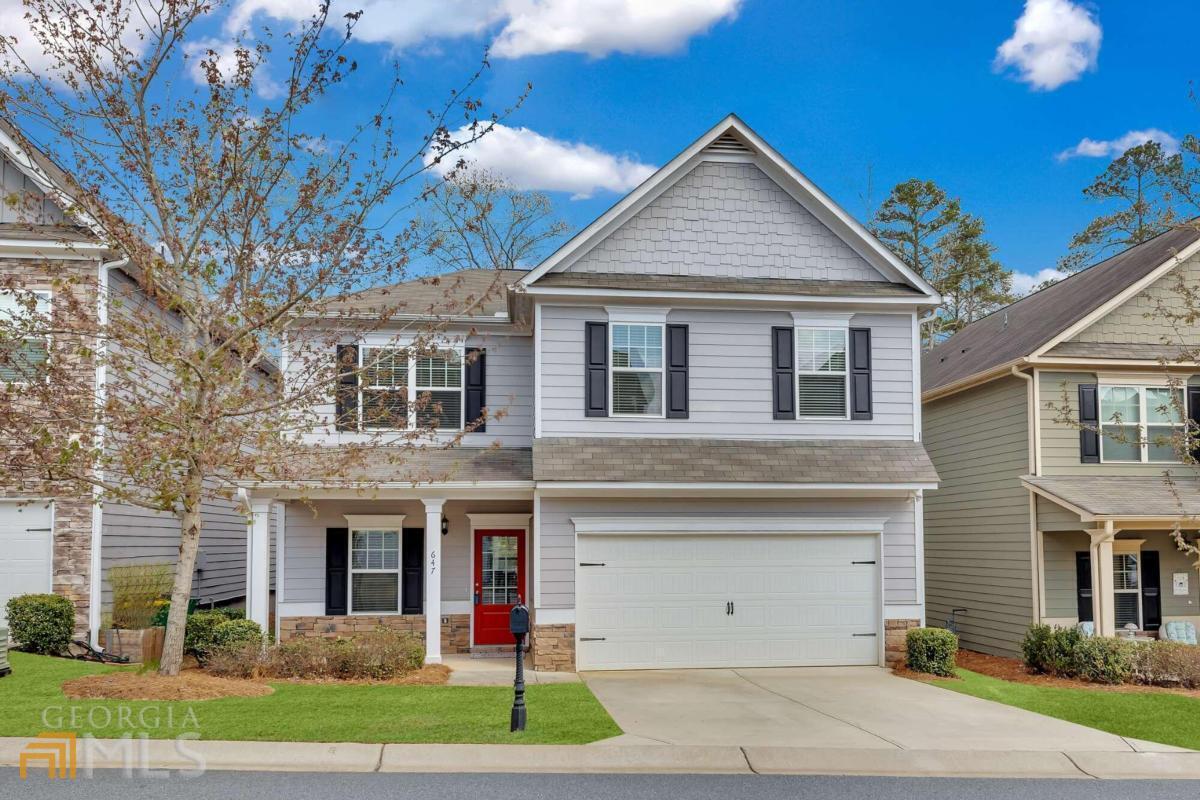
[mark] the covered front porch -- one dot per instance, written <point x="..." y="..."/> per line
<point x="1107" y="556"/>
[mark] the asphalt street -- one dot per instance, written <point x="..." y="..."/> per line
<point x="313" y="786"/>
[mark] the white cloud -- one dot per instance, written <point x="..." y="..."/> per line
<point x="27" y="48"/>
<point x="1111" y="148"/>
<point x="225" y="52"/>
<point x="1023" y="282"/>
<point x="600" y="27"/>
<point x="1053" y="42"/>
<point x="531" y="161"/>
<point x="529" y="27"/>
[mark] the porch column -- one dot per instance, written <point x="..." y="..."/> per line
<point x="258" y="563"/>
<point x="433" y="580"/>
<point x="1103" y="608"/>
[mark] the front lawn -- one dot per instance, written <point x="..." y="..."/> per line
<point x="31" y="702"/>
<point x="1160" y="717"/>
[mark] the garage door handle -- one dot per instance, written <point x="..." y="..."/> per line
<point x="592" y="639"/>
<point x="592" y="564"/>
<point x="862" y="634"/>
<point x="862" y="562"/>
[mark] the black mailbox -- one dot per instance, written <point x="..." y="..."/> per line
<point x="518" y="620"/>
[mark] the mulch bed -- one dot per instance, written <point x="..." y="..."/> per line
<point x="1013" y="669"/>
<point x="191" y="684"/>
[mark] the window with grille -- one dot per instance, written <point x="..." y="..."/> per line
<point x="637" y="370"/>
<point x="374" y="571"/>
<point x="21" y="355"/>
<point x="398" y="391"/>
<point x="1141" y="423"/>
<point x="821" y="373"/>
<point x="1127" y="598"/>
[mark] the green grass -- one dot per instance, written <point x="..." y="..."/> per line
<point x="1154" y="716"/>
<point x="32" y="701"/>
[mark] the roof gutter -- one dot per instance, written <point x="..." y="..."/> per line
<point x="973" y="380"/>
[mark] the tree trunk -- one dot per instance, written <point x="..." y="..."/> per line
<point x="181" y="592"/>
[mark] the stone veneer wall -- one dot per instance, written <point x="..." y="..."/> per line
<point x="894" y="633"/>
<point x="456" y="631"/>
<point x="554" y="648"/>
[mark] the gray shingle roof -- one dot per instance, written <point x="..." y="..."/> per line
<point x="467" y="293"/>
<point x="1017" y="330"/>
<point x="1125" y="496"/>
<point x="397" y="465"/>
<point x="689" y="283"/>
<point x="726" y="460"/>
<point x="1120" y="350"/>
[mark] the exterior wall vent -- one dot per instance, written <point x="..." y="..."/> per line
<point x="729" y="143"/>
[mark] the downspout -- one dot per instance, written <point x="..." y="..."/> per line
<point x="95" y="577"/>
<point x="1033" y="443"/>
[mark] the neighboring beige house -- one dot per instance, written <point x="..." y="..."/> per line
<point x="1037" y="520"/>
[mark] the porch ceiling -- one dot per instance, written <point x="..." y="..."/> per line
<point x="1123" y="498"/>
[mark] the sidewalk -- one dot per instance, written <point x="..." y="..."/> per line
<point x="493" y="671"/>
<point x="621" y="758"/>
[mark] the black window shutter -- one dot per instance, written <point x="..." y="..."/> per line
<point x="860" y="373"/>
<point x="677" y="371"/>
<point x="346" y="396"/>
<point x="1151" y="594"/>
<point x="595" y="366"/>
<point x="412" y="559"/>
<point x="1193" y="409"/>
<point x="783" y="372"/>
<point x="337" y="555"/>
<point x="1089" y="418"/>
<point x="476" y="386"/>
<point x="1083" y="584"/>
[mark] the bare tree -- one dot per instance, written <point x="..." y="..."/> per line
<point x="240" y="219"/>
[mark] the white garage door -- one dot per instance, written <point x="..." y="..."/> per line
<point x="26" y="551"/>
<point x="749" y="600"/>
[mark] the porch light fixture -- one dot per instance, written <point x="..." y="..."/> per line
<point x="445" y="526"/>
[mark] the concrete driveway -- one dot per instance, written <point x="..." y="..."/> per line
<point x="855" y="707"/>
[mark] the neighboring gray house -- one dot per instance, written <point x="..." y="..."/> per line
<point x="710" y="454"/>
<point x="51" y="540"/>
<point x="1035" y="519"/>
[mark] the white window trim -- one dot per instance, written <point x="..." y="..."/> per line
<point x="661" y="369"/>
<point x="413" y="392"/>
<point x="49" y="295"/>
<point x="845" y="373"/>
<point x="1131" y="547"/>
<point x="363" y="522"/>
<point x="1143" y="427"/>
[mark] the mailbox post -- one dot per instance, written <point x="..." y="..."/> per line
<point x="518" y="625"/>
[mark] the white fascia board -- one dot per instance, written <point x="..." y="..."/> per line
<point x="728" y="489"/>
<point x="55" y="249"/>
<point x="1098" y="364"/>
<point x="1128" y="293"/>
<point x="730" y="298"/>
<point x="719" y="525"/>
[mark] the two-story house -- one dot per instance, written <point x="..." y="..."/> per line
<point x="1053" y="424"/>
<point x="53" y="538"/>
<point x="709" y="455"/>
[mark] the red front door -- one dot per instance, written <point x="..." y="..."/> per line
<point x="499" y="583"/>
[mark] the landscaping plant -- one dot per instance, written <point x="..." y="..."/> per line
<point x="137" y="592"/>
<point x="41" y="623"/>
<point x="931" y="650"/>
<point x="380" y="655"/>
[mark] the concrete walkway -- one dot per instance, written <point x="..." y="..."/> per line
<point x="491" y="671"/>
<point x="853" y="708"/>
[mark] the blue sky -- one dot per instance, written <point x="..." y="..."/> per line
<point x="844" y="89"/>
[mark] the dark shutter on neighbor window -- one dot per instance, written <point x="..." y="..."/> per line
<point x="1089" y="419"/>
<point x="346" y="395"/>
<point x="1193" y="409"/>
<point x="412" y="559"/>
<point x="337" y="554"/>
<point x="860" y="373"/>
<point x="1083" y="584"/>
<point x="476" y="387"/>
<point x="677" y="371"/>
<point x="783" y="372"/>
<point x="1151" y="593"/>
<point x="595" y="369"/>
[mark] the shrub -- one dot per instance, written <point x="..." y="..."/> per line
<point x="1101" y="659"/>
<point x="236" y="660"/>
<point x="1051" y="650"/>
<point x="200" y="636"/>
<point x="41" y="623"/>
<point x="237" y="632"/>
<point x="1167" y="664"/>
<point x="138" y="592"/>
<point x="163" y="609"/>
<point x="931" y="650"/>
<point x="378" y="656"/>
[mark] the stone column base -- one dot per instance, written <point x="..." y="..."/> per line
<point x="894" y="633"/>
<point x="456" y="630"/>
<point x="553" y="648"/>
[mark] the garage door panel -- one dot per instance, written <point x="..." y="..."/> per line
<point x="798" y="600"/>
<point x="26" y="551"/>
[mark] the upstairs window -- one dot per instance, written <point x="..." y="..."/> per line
<point x="637" y="370"/>
<point x="1140" y="424"/>
<point x="398" y="391"/>
<point x="821" y="373"/>
<point x="21" y="358"/>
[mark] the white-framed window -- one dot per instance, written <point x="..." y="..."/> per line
<point x="399" y="391"/>
<point x="18" y="363"/>
<point x="375" y="570"/>
<point x="1127" y="589"/>
<point x="636" y="359"/>
<point x="1140" y="423"/>
<point x="822" y="373"/>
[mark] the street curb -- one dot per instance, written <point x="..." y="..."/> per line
<point x="562" y="758"/>
<point x="1124" y="766"/>
<point x="913" y="763"/>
